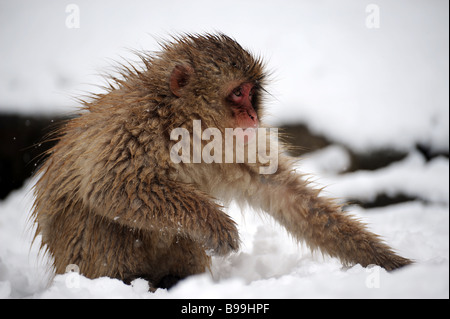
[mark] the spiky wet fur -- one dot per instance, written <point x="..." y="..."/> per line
<point x="110" y="200"/>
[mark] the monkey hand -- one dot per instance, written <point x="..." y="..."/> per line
<point x="222" y="237"/>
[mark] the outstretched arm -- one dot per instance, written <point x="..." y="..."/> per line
<point x="319" y="221"/>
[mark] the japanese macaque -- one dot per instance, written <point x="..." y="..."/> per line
<point x="117" y="197"/>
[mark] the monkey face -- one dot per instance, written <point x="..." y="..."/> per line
<point x="241" y="104"/>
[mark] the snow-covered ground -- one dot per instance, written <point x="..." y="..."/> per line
<point x="270" y="264"/>
<point x="367" y="88"/>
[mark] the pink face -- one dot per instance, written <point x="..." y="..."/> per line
<point x="241" y="105"/>
<point x="240" y="99"/>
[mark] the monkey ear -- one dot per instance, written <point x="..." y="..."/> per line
<point x="179" y="78"/>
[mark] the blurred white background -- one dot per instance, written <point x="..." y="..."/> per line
<point x="385" y="86"/>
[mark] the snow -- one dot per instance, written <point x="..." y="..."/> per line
<point x="388" y="84"/>
<point x="399" y="178"/>
<point x="364" y="88"/>
<point x="270" y="264"/>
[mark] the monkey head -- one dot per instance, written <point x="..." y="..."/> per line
<point x="216" y="80"/>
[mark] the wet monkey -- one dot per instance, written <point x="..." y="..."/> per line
<point x="111" y="200"/>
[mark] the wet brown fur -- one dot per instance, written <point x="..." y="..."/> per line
<point x="110" y="200"/>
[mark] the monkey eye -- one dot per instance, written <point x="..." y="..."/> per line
<point x="242" y="92"/>
<point x="237" y="92"/>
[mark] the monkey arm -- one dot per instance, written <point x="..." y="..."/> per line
<point x="173" y="207"/>
<point x="320" y="222"/>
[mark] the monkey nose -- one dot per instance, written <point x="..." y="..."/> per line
<point x="254" y="119"/>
